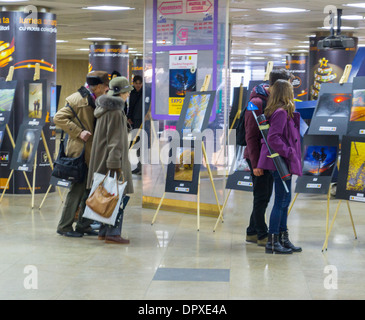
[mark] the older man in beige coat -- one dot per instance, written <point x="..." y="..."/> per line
<point x="82" y="103"/>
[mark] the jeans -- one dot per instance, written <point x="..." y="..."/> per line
<point x="262" y="191"/>
<point x="279" y="213"/>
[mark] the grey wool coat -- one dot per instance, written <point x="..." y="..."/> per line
<point x="110" y="146"/>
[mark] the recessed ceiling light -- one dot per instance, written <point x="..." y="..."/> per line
<point x="352" y="17"/>
<point x="342" y="28"/>
<point x="264" y="44"/>
<point x="83" y="49"/>
<point x="283" y="10"/>
<point x="61" y="41"/>
<point x="357" y="5"/>
<point x="108" y="8"/>
<point x="98" y="39"/>
<point x="257" y="58"/>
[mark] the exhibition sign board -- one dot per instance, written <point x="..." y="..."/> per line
<point x="240" y="177"/>
<point x="351" y="178"/>
<point x="184" y="51"/>
<point x="319" y="161"/>
<point x="333" y="109"/>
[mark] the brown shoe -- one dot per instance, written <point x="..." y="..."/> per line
<point x="116" y="240"/>
<point x="101" y="237"/>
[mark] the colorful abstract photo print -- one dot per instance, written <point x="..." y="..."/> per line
<point x="351" y="179"/>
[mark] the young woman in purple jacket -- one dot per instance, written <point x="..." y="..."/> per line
<point x="284" y="139"/>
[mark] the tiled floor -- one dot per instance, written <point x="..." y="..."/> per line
<point x="171" y="260"/>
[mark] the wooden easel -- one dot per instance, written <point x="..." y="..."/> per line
<point x="269" y="68"/>
<point x="343" y="80"/>
<point x="204" y="88"/>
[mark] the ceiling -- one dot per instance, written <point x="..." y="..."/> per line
<point x="287" y="32"/>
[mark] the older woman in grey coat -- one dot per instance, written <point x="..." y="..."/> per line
<point x="110" y="148"/>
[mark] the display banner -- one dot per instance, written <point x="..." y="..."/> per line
<point x="28" y="38"/>
<point x="137" y="68"/>
<point x="319" y="161"/>
<point x="333" y="109"/>
<point x="109" y="58"/>
<point x="297" y="65"/>
<point x="356" y="126"/>
<point x="351" y="178"/>
<point x="327" y="66"/>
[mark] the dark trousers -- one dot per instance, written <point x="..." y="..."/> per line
<point x="262" y="191"/>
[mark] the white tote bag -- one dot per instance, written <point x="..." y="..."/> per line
<point x="111" y="187"/>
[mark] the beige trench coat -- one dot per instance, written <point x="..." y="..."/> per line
<point x="110" y="147"/>
<point x="65" y="119"/>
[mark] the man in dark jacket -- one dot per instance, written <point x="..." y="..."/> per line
<point x="135" y="111"/>
<point x="257" y="230"/>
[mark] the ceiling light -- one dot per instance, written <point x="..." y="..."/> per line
<point x="264" y="44"/>
<point x="98" y="39"/>
<point x="83" y="49"/>
<point x="257" y="58"/>
<point x="61" y="41"/>
<point x="108" y="8"/>
<point x="342" y="28"/>
<point x="352" y="17"/>
<point x="357" y="5"/>
<point x="283" y="10"/>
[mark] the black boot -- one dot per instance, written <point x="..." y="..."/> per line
<point x="285" y="242"/>
<point x="273" y="245"/>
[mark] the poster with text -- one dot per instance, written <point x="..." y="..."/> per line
<point x="182" y="78"/>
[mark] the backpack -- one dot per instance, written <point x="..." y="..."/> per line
<point x="241" y="130"/>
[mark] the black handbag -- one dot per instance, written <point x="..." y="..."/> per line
<point x="70" y="169"/>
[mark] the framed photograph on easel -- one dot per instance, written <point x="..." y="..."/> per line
<point x="333" y="109"/>
<point x="183" y="171"/>
<point x="319" y="161"/>
<point x="356" y="125"/>
<point x="351" y="178"/>
<point x="195" y="113"/>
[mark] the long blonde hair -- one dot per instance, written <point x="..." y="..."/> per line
<point x="281" y="96"/>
